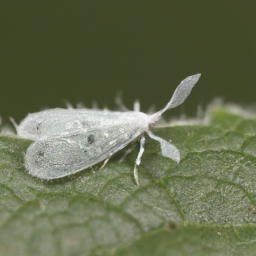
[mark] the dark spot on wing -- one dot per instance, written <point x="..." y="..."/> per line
<point x="85" y="124"/>
<point x="41" y="153"/>
<point x="38" y="125"/>
<point x="90" y="139"/>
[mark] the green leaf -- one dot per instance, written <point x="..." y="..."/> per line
<point x="205" y="205"/>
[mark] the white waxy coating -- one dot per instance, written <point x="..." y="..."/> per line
<point x="56" y="122"/>
<point x="71" y="148"/>
<point x="70" y="140"/>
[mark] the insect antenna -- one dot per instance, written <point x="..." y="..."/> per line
<point x="168" y="149"/>
<point x="178" y="97"/>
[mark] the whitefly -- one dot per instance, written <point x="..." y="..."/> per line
<point x="70" y="140"/>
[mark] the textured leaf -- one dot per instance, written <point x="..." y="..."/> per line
<point x="205" y="205"/>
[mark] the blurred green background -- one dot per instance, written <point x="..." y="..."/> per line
<point x="51" y="51"/>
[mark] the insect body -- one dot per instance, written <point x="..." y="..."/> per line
<point x="70" y="140"/>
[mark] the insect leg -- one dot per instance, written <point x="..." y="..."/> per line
<point x="105" y="162"/>
<point x="127" y="152"/>
<point x="138" y="160"/>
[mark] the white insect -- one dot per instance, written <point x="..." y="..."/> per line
<point x="70" y="140"/>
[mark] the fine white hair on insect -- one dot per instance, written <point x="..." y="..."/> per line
<point x="68" y="104"/>
<point x="70" y="140"/>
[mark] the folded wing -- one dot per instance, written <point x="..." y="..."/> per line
<point x="59" y="156"/>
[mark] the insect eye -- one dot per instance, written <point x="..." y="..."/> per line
<point x="90" y="139"/>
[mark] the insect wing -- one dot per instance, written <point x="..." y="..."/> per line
<point x="59" y="156"/>
<point x="53" y="122"/>
<point x="56" y="122"/>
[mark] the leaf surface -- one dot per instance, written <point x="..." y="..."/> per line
<point x="205" y="205"/>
